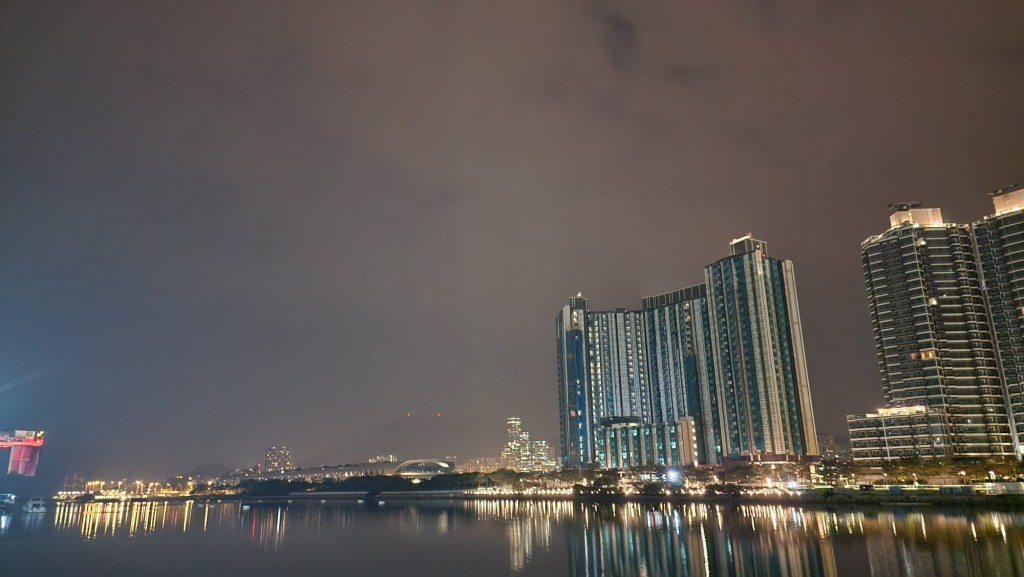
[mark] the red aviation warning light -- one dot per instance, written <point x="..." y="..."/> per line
<point x="25" y="447"/>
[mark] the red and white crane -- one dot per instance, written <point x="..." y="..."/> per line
<point x="25" y="447"/>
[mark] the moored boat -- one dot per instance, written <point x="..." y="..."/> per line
<point x="33" y="506"/>
<point x="6" y="503"/>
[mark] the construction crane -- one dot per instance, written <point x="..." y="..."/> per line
<point x="25" y="447"/>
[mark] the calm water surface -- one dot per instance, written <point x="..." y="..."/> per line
<point x="434" y="539"/>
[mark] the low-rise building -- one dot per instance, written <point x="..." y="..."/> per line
<point x="625" y="443"/>
<point x="897" y="433"/>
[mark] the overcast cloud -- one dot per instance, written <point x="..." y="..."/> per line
<point x="226" y="225"/>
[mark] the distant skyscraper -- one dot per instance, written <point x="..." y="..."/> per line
<point x="935" y="347"/>
<point x="278" y="459"/>
<point x="729" y="361"/>
<point x="763" y="389"/>
<point x="74" y="484"/>
<point x="1000" y="246"/>
<point x="544" y="456"/>
<point x="522" y="454"/>
<point x="517" y="454"/>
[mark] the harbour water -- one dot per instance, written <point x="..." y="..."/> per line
<point x="516" y="538"/>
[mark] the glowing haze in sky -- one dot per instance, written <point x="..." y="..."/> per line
<point x="256" y="223"/>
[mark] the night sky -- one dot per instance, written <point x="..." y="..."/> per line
<point x="226" y="225"/>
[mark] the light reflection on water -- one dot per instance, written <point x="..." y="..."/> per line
<point x="586" y="540"/>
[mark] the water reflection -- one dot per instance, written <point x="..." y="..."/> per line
<point x="699" y="540"/>
<point x="790" y="542"/>
<point x="94" y="520"/>
<point x="528" y="525"/>
<point x="589" y="540"/>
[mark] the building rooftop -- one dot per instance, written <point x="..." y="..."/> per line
<point x="913" y="213"/>
<point x="1008" y="199"/>
<point x="747" y="243"/>
<point x="674" y="297"/>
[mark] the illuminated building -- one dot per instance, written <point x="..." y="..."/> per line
<point x="999" y="241"/>
<point x="682" y="365"/>
<point x="517" y="454"/>
<point x="617" y="364"/>
<point x="25" y="447"/>
<point x="278" y="459"/>
<point x="762" y="387"/>
<point x="576" y="415"/>
<point x="484" y="465"/>
<point x="544" y="457"/>
<point x="626" y="443"/>
<point x="933" y="340"/>
<point x="74" y="484"/>
<point x="727" y="354"/>
<point x="895" y="434"/>
<point x="522" y="454"/>
<point x="834" y="447"/>
<point x="411" y="468"/>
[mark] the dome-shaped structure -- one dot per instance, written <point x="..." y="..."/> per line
<point x="424" y="468"/>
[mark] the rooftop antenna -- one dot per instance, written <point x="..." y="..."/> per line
<point x="1005" y="189"/>
<point x="902" y="206"/>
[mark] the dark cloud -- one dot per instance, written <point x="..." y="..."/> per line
<point x="689" y="75"/>
<point x="248" y="223"/>
<point x="618" y="32"/>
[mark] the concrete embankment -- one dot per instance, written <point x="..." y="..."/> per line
<point x="808" y="498"/>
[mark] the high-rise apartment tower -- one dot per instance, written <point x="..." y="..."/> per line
<point x="935" y="347"/>
<point x="723" y="360"/>
<point x="999" y="243"/>
<point x="763" y="389"/>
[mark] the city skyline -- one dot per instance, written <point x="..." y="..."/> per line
<point x="332" y="216"/>
<point x="651" y="302"/>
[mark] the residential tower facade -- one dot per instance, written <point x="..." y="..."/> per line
<point x="763" y="389"/>
<point x="941" y="300"/>
<point x="999" y="243"/>
<point x="722" y="363"/>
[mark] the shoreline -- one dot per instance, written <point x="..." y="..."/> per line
<point x="817" y="500"/>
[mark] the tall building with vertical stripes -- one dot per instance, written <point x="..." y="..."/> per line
<point x="681" y="365"/>
<point x="616" y="364"/>
<point x="999" y="244"/>
<point x="762" y="386"/>
<point x="722" y="361"/>
<point x="575" y="410"/>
